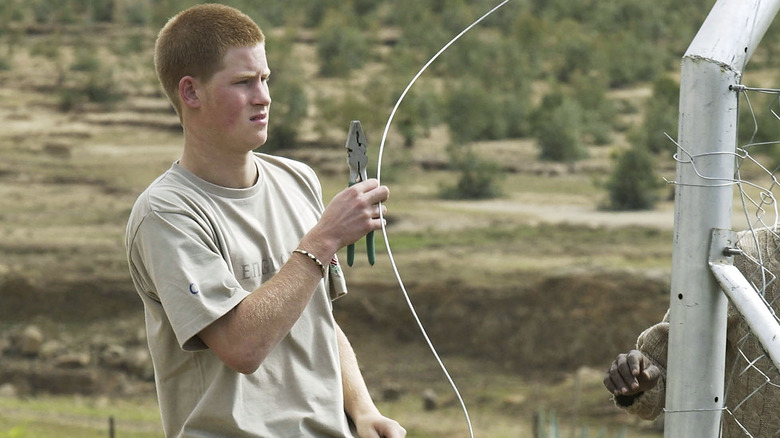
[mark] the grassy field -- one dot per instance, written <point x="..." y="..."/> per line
<point x="499" y="406"/>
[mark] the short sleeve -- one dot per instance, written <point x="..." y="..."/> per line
<point x="189" y="277"/>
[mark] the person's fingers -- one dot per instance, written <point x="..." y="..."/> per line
<point x="379" y="210"/>
<point x="625" y="368"/>
<point x="609" y="382"/>
<point x="367" y="185"/>
<point x="631" y="373"/>
<point x="618" y="379"/>
<point x="651" y="373"/>
<point x="375" y="192"/>
<point x="636" y="362"/>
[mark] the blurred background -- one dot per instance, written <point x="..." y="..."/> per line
<point x="529" y="214"/>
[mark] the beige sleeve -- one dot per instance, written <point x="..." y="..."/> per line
<point x="653" y="343"/>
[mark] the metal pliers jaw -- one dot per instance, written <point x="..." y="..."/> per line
<point x="357" y="159"/>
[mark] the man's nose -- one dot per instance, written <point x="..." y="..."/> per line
<point x="262" y="95"/>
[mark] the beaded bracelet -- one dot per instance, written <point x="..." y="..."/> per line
<point x="313" y="258"/>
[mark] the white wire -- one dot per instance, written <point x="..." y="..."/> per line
<point x="384" y="228"/>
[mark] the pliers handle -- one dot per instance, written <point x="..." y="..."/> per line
<point x="357" y="159"/>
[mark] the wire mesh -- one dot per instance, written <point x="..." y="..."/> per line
<point x="752" y="385"/>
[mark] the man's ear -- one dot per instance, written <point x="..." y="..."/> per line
<point x="188" y="92"/>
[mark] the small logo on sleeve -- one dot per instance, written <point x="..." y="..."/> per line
<point x="194" y="289"/>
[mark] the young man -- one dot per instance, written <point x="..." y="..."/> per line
<point x="229" y="252"/>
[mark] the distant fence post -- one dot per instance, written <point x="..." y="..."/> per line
<point x="703" y="201"/>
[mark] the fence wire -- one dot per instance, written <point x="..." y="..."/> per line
<point x="752" y="386"/>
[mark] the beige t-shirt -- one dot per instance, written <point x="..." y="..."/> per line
<point x="195" y="251"/>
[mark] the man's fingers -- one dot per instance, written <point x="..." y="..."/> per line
<point x="372" y="188"/>
<point x="377" y="209"/>
<point x="367" y="185"/>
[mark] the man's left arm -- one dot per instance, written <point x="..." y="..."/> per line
<point x="370" y="423"/>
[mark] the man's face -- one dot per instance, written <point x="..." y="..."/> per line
<point x="236" y="101"/>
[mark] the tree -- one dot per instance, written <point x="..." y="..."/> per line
<point x="662" y="116"/>
<point x="341" y="47"/>
<point x="633" y="184"/>
<point x="416" y="115"/>
<point x="630" y="58"/>
<point x="472" y="114"/>
<point x="290" y="103"/>
<point x="556" y="124"/>
<point x="590" y="91"/>
<point x="478" y="178"/>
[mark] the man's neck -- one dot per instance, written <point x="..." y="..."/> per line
<point x="232" y="171"/>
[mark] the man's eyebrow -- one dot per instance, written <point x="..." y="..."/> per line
<point x="245" y="75"/>
<point x="252" y="74"/>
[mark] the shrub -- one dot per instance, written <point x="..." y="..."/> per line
<point x="416" y="115"/>
<point x="470" y="112"/>
<point x="474" y="113"/>
<point x="102" y="10"/>
<point x="86" y="60"/>
<point x="100" y="87"/>
<point x="290" y="103"/>
<point x="137" y="14"/>
<point x="591" y="92"/>
<point x="289" y="109"/>
<point x="630" y="59"/>
<point x="556" y="124"/>
<point x="88" y="81"/>
<point x="662" y="116"/>
<point x="575" y="54"/>
<point x="477" y="180"/>
<point x="341" y="48"/>
<point x="633" y="184"/>
<point x="421" y="32"/>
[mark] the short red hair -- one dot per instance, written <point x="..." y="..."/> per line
<point x="194" y="42"/>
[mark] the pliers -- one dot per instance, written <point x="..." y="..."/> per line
<point x="357" y="161"/>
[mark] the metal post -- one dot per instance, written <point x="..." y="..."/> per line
<point x="707" y="141"/>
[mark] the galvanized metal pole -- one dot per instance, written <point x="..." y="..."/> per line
<point x="707" y="141"/>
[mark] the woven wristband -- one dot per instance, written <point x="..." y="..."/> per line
<point x="313" y="258"/>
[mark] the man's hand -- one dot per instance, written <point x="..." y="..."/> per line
<point x="631" y="374"/>
<point x="378" y="426"/>
<point x="351" y="214"/>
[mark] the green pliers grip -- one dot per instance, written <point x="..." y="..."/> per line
<point x="369" y="248"/>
